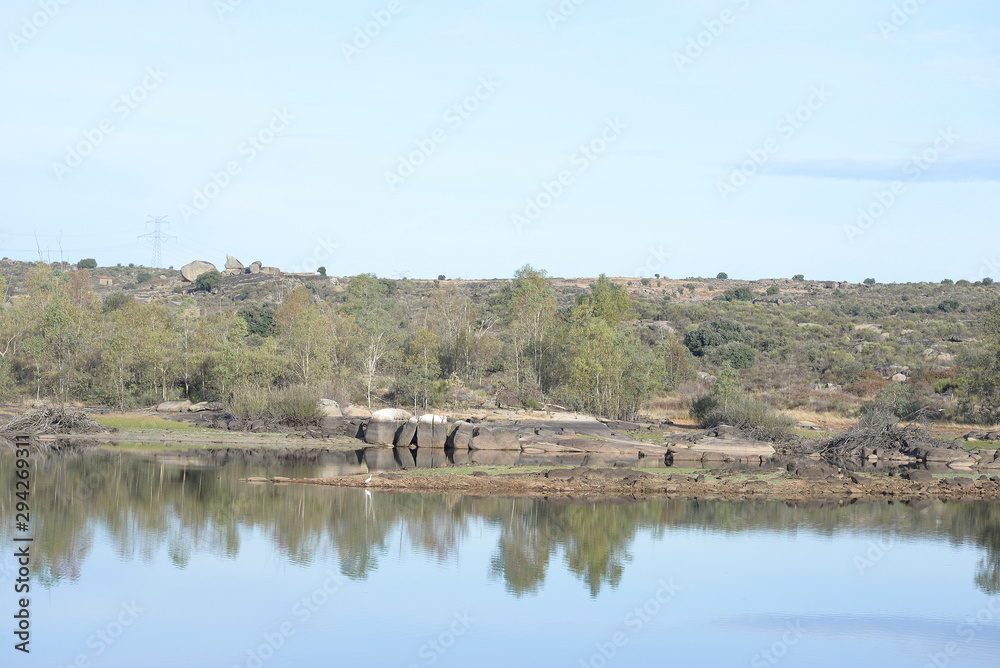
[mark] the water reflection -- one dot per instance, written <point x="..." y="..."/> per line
<point x="150" y="506"/>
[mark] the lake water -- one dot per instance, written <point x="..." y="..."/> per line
<point x="143" y="563"/>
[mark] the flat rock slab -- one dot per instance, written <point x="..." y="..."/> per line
<point x="732" y="447"/>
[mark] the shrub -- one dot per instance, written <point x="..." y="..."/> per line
<point x="441" y="277"/>
<point x="963" y="283"/>
<point x="947" y="281"/>
<point x="208" y="281"/>
<point x="87" y="263"/>
<point x="897" y="399"/>
<point x="745" y="412"/>
<point x="987" y="281"/>
<point x="869" y="281"/>
<point x="723" y="275"/>
<point x="798" y="277"/>
<point x="296" y="403"/>
<point x="949" y="305"/>
<point x="945" y="385"/>
<point x="116" y="300"/>
<point x="259" y="318"/>
<point x="741" y="294"/>
<point x="737" y="353"/>
<point x="143" y="277"/>
<point x="716" y="333"/>
<point x="774" y="290"/>
<point x="321" y="271"/>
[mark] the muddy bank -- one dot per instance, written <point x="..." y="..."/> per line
<point x="628" y="484"/>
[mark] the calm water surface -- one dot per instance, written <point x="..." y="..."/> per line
<point x="143" y="563"/>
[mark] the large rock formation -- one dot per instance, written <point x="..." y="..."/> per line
<point x="384" y="424"/>
<point x="192" y="270"/>
<point x="487" y="439"/>
<point x="432" y="431"/>
<point x="407" y="434"/>
<point x="330" y="408"/>
<point x="233" y="263"/>
<point x="174" y="407"/>
<point x="461" y="435"/>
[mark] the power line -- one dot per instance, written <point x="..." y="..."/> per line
<point x="157" y="237"/>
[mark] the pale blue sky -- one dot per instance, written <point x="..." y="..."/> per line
<point x="675" y="131"/>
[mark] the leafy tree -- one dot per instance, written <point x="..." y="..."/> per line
<point x="741" y="294"/>
<point x="321" y="271"/>
<point x="304" y="334"/>
<point x="798" y="277"/>
<point x="117" y="300"/>
<point x="532" y="310"/>
<point x="607" y="301"/>
<point x="208" y="281"/>
<point x="259" y="317"/>
<point x="143" y="277"/>
<point x="869" y="281"/>
<point x="947" y="281"/>
<point x="723" y="275"/>
<point x="716" y="333"/>
<point x="87" y="263"/>
<point x="949" y="305"/>
<point x="378" y="327"/>
<point x="773" y="290"/>
<point x="611" y="374"/>
<point x="735" y="353"/>
<point x="678" y="362"/>
<point x="422" y="367"/>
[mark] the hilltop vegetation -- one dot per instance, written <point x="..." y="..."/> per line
<point x="614" y="347"/>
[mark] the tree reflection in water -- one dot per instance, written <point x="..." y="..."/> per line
<point x="147" y="506"/>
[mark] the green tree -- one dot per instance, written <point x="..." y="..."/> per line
<point x="607" y="301"/>
<point x="87" y="263"/>
<point x="722" y="275"/>
<point x="378" y="327"/>
<point x="259" y="317"/>
<point x="741" y="294"/>
<point x="612" y="374"/>
<point x="716" y="332"/>
<point x="304" y="334"/>
<point x="532" y="308"/>
<point x="208" y="281"/>
<point x="422" y="367"/>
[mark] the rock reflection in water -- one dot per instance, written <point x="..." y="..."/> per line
<point x="148" y="506"/>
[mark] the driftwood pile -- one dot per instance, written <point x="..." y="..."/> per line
<point x="55" y="421"/>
